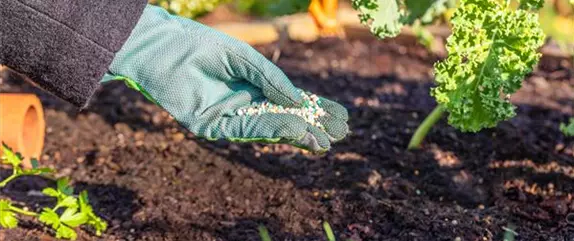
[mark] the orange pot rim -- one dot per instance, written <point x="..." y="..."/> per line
<point x="22" y="124"/>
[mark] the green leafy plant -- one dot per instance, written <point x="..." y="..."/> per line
<point x="8" y="214"/>
<point x="69" y="212"/>
<point x="264" y="233"/>
<point x="492" y="47"/>
<point x="76" y="212"/>
<point x="63" y="224"/>
<point x="382" y="16"/>
<point x="97" y="223"/>
<point x="63" y="190"/>
<point x="188" y="8"/>
<point x="328" y="231"/>
<point x="262" y="8"/>
<point x="509" y="232"/>
<point x="386" y="18"/>
<point x="15" y="160"/>
<point x="568" y="129"/>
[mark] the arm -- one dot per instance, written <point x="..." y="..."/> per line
<point x="199" y="75"/>
<point x="65" y="46"/>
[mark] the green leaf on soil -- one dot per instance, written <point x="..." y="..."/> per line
<point x="50" y="218"/>
<point x="10" y="157"/>
<point x="63" y="186"/>
<point x="73" y="218"/>
<point x="7" y="216"/>
<point x="50" y="192"/>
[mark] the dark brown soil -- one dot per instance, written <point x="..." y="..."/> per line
<point x="153" y="181"/>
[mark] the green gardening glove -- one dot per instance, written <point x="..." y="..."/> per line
<point x="203" y="77"/>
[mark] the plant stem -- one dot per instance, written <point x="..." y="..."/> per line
<point x="22" y="211"/>
<point x="10" y="178"/>
<point x="425" y="127"/>
<point x="58" y="205"/>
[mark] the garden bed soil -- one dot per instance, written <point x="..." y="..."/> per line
<point x="154" y="181"/>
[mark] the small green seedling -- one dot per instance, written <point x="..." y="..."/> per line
<point x="15" y="160"/>
<point x="568" y="129"/>
<point x="264" y="233"/>
<point x="98" y="224"/>
<point x="329" y="231"/>
<point x="8" y="214"/>
<point x="509" y="233"/>
<point x="69" y="213"/>
<point x="77" y="212"/>
<point x="63" y="191"/>
<point x="63" y="224"/>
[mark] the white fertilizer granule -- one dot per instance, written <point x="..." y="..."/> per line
<point x="310" y="111"/>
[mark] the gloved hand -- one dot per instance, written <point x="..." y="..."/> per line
<point x="202" y="77"/>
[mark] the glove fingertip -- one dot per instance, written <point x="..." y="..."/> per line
<point x="336" y="129"/>
<point x="315" y="140"/>
<point x="334" y="109"/>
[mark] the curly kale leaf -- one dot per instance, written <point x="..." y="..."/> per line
<point x="426" y="10"/>
<point x="531" y="4"/>
<point x="384" y="17"/>
<point x="491" y="49"/>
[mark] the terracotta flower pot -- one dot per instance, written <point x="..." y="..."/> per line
<point x="22" y="125"/>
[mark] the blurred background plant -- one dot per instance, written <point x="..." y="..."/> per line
<point x="556" y="18"/>
<point x="189" y="8"/>
<point x="271" y="8"/>
<point x="260" y="8"/>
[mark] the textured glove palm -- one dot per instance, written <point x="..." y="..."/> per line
<point x="201" y="77"/>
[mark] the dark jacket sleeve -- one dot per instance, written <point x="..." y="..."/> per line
<point x="65" y="46"/>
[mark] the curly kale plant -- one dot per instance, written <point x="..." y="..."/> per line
<point x="491" y="49"/>
<point x="382" y="16"/>
<point x="385" y="18"/>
